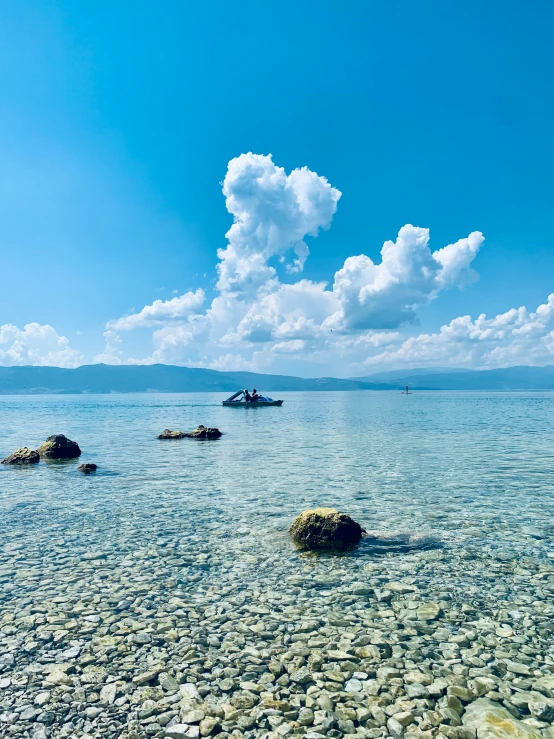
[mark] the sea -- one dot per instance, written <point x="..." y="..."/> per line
<point x="455" y="490"/>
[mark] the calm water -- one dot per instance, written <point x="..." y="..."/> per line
<point x="466" y="469"/>
<point x="172" y="564"/>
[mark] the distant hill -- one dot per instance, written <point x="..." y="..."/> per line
<point x="161" y="378"/>
<point x="509" y="378"/>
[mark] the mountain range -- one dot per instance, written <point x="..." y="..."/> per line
<point x="507" y="378"/>
<point x="161" y="378"/>
<point x="103" y="378"/>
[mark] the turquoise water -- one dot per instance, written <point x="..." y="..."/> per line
<point x="466" y="469"/>
<point x="172" y="565"/>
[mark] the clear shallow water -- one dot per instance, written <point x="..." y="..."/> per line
<point x="184" y="545"/>
<point x="465" y="469"/>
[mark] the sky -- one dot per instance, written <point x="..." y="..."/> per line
<point x="309" y="188"/>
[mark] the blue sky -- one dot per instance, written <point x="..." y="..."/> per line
<point x="119" y="120"/>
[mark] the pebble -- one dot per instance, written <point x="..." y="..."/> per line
<point x="161" y="627"/>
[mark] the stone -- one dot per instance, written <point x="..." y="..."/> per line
<point x="207" y="725"/>
<point x="243" y="699"/>
<point x="492" y="721"/>
<point x="301" y="676"/>
<point x="192" y="717"/>
<point x="59" y="446"/>
<point x="428" y="611"/>
<point x="58" y="677"/>
<point x="168" y="434"/>
<point x="201" y="432"/>
<point x="182" y="731"/>
<point x="108" y="693"/>
<point x="22" y="456"/>
<point x="325" y="528"/>
<point x="87" y="467"/>
<point x="545" y="685"/>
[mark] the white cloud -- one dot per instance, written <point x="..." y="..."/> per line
<point x="514" y="337"/>
<point x="112" y="353"/>
<point x="160" y="311"/>
<point x="386" y="295"/>
<point x="255" y="317"/>
<point x="272" y="213"/>
<point x="36" y="344"/>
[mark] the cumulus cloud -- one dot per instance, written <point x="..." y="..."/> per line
<point x="516" y="336"/>
<point x="386" y="295"/>
<point x="160" y="311"/>
<point x="258" y="315"/>
<point x="272" y="213"/>
<point x="36" y="344"/>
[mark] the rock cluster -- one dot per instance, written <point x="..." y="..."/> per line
<point x="22" y="456"/>
<point x="59" y="446"/>
<point x="325" y="528"/>
<point x="201" y="432"/>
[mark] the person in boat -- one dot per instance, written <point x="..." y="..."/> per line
<point x="254" y="397"/>
<point x="247" y="396"/>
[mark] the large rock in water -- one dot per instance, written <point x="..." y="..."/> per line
<point x="59" y="447"/>
<point x="199" y="433"/>
<point x="22" y="456"/>
<point x="492" y="721"/>
<point x="325" y="528"/>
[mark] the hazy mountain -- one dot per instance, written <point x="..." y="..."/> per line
<point x="509" y="378"/>
<point x="395" y="375"/>
<point x="104" y="378"/>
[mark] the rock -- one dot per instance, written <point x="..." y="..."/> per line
<point x="428" y="611"/>
<point x="244" y="699"/>
<point x="182" y="731"/>
<point x="22" y="456"/>
<point x="204" y="433"/>
<point x="545" y="685"/>
<point x="87" y="467"/>
<point x="58" y="677"/>
<point x="59" y="447"/>
<point x="492" y="721"/>
<point x="301" y="676"/>
<point x="325" y="528"/>
<point x="108" y="693"/>
<point x="201" y="432"/>
<point x="207" y="725"/>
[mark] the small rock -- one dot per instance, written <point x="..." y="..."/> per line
<point x="493" y="721"/>
<point x="87" y="467"/>
<point x="22" y="456"/>
<point x="428" y="611"/>
<point x="108" y="693"/>
<point x="182" y="731"/>
<point x="207" y="725"/>
<point x="301" y="676"/>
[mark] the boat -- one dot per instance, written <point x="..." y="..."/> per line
<point x="237" y="401"/>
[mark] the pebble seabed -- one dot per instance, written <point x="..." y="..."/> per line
<point x="183" y="627"/>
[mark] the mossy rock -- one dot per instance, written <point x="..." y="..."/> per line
<point x="168" y="434"/>
<point x="59" y="446"/>
<point x="199" y="433"/>
<point x="87" y="468"/>
<point x="325" y="528"/>
<point x="22" y="456"/>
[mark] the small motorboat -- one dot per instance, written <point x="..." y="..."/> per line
<point x="238" y="401"/>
